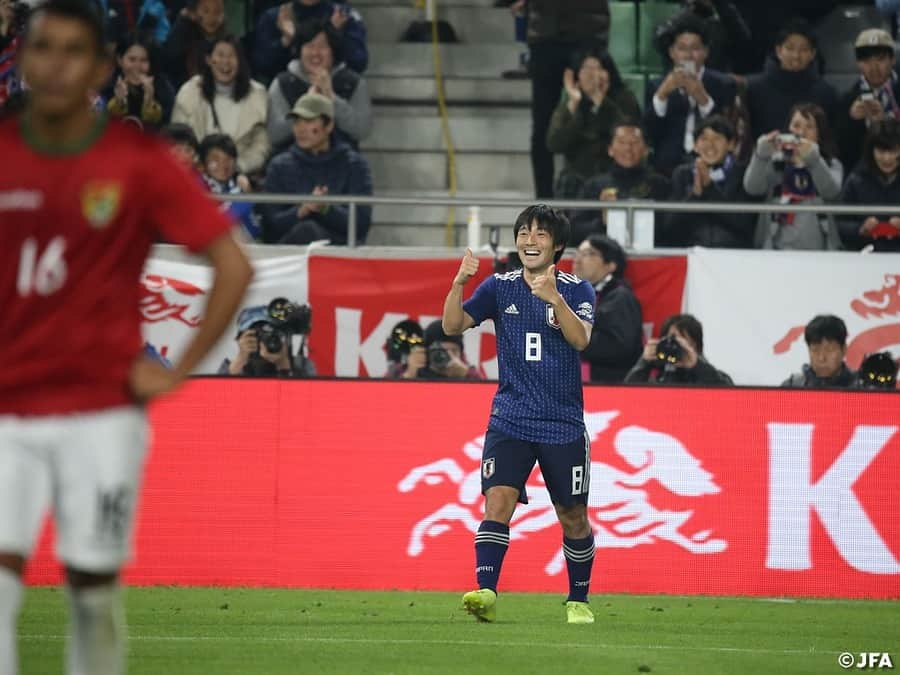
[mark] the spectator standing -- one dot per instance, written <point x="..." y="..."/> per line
<point x="139" y="90"/>
<point x="690" y="92"/>
<point x="790" y="78"/>
<point x="715" y="176"/>
<point x="557" y="29"/>
<point x="875" y="96"/>
<point x="595" y="98"/>
<point x="729" y="37"/>
<point x="315" y="165"/>
<point x="224" y="99"/>
<point x="198" y="26"/>
<point x="278" y="27"/>
<point x="629" y="178"/>
<point x="691" y="367"/>
<point x="617" y="338"/>
<point x="319" y="67"/>
<point x="875" y="181"/>
<point x="796" y="168"/>
<point x="826" y="340"/>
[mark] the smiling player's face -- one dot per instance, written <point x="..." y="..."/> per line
<point x="535" y="247"/>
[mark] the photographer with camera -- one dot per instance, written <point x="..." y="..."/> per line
<point x="796" y="167"/>
<point x="264" y="337"/>
<point x="826" y="340"/>
<point x="445" y="358"/>
<point x="677" y="357"/>
<point x="878" y="372"/>
<point x="405" y="351"/>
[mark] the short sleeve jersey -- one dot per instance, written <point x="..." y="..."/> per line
<point x="75" y="231"/>
<point x="539" y="398"/>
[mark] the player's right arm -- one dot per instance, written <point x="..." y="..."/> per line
<point x="455" y="320"/>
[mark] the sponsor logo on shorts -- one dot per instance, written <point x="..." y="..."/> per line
<point x="487" y="467"/>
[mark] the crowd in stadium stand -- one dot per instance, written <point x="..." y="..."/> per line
<point x="269" y="96"/>
<point x="739" y="112"/>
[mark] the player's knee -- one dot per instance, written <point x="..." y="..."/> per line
<point x="81" y="579"/>
<point x="574" y="521"/>
<point x="500" y="503"/>
<point x="13" y="562"/>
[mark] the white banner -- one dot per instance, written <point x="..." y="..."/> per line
<point x="754" y="305"/>
<point x="174" y="294"/>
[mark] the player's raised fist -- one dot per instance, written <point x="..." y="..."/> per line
<point x="467" y="269"/>
<point x="544" y="285"/>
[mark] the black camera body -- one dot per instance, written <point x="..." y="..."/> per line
<point x="290" y="317"/>
<point x="669" y="351"/>
<point x="438" y="357"/>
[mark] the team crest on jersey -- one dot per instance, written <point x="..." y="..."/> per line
<point x="552" y="321"/>
<point x="100" y="201"/>
<point x="487" y="467"/>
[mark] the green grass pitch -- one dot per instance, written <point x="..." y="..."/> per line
<point x="183" y="631"/>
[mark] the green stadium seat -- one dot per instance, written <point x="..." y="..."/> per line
<point x="637" y="82"/>
<point x="651" y="15"/>
<point x="623" y="35"/>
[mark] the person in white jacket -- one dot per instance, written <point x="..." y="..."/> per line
<point x="223" y="99"/>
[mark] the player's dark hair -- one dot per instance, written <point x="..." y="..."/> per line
<point x="611" y="251"/>
<point x="882" y="135"/>
<point x="548" y="219"/>
<point x="687" y="324"/>
<point x="241" y="78"/>
<point x="222" y="142"/>
<point x="180" y="134"/>
<point x="82" y="11"/>
<point x="308" y="31"/>
<point x="826" y="327"/>
<point x="718" y="123"/>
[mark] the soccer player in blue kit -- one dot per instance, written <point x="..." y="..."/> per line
<point x="542" y="319"/>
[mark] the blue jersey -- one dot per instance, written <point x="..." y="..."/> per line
<point x="539" y="398"/>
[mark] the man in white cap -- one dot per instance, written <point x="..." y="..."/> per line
<point x="875" y="96"/>
<point x="315" y="165"/>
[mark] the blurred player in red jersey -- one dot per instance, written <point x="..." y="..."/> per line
<point x="81" y="201"/>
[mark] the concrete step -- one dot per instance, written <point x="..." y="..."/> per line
<point x="475" y="171"/>
<point x="454" y="111"/>
<point x="365" y="5"/>
<point x="411" y="215"/>
<point x="386" y="23"/>
<point x="475" y="134"/>
<point x="457" y="60"/>
<point x="456" y="89"/>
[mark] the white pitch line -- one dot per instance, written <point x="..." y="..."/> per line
<point x="464" y="643"/>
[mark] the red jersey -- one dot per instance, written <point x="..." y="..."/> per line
<point x="75" y="231"/>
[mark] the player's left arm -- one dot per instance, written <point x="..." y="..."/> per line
<point x="575" y="329"/>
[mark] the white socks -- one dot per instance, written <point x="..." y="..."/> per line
<point x="97" y="632"/>
<point x="10" y="601"/>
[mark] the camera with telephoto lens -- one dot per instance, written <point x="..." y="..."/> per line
<point x="438" y="357"/>
<point x="290" y="317"/>
<point x="669" y="351"/>
<point x="878" y="371"/>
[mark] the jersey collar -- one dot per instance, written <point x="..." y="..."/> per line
<point x="79" y="146"/>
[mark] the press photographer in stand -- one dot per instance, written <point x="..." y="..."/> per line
<point x="878" y="372"/>
<point x="446" y="359"/>
<point x="677" y="357"/>
<point x="826" y="341"/>
<point x="265" y="336"/>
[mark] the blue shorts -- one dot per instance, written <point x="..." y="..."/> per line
<point x="566" y="468"/>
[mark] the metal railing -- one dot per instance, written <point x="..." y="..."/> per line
<point x="628" y="206"/>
